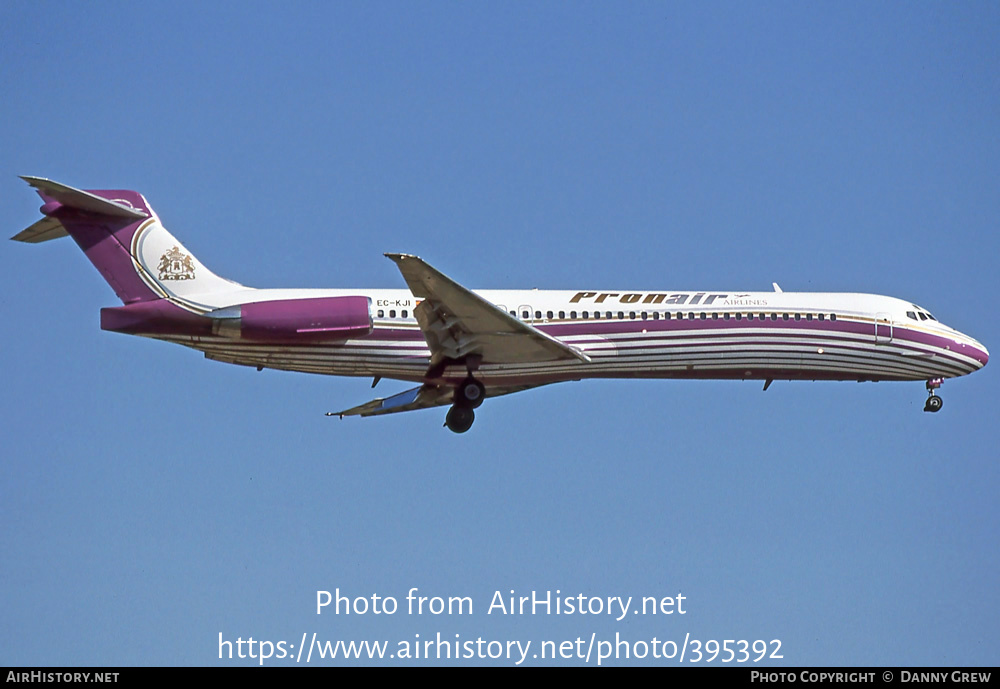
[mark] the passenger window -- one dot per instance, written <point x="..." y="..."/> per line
<point x="572" y="314"/>
<point x="405" y="313"/>
<point x="621" y="315"/>
<point x="562" y="315"/>
<point x="784" y="316"/>
<point x="833" y="316"/>
<point x="381" y="314"/>
<point x="524" y="315"/>
<point x="809" y="316"/>
<point x="586" y="314"/>
<point x="822" y="317"/>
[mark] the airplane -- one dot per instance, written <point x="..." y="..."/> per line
<point x="462" y="346"/>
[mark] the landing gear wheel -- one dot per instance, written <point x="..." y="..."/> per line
<point x="459" y="419"/>
<point x="470" y="393"/>
<point x="934" y="403"/>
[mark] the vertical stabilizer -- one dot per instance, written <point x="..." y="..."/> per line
<point x="124" y="239"/>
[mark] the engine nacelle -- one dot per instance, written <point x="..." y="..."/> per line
<point x="296" y="320"/>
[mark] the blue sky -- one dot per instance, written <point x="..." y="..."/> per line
<point x="151" y="500"/>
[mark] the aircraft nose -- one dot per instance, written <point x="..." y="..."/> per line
<point x="979" y="353"/>
<point x="973" y="349"/>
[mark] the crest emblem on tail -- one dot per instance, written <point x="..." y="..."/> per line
<point x="176" y="265"/>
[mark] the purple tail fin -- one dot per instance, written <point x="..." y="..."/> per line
<point x="103" y="223"/>
<point x="123" y="238"/>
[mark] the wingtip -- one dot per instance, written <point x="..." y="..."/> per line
<point x="399" y="258"/>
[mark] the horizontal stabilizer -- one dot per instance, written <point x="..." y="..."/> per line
<point x="83" y="200"/>
<point x="57" y="196"/>
<point x="42" y="231"/>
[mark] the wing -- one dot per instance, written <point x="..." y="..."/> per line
<point x="423" y="397"/>
<point x="457" y="323"/>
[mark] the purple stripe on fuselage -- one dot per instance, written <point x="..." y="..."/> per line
<point x="694" y="328"/>
<point x="708" y="324"/>
<point x="755" y="341"/>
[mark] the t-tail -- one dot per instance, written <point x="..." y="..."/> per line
<point x="124" y="239"/>
<point x="165" y="291"/>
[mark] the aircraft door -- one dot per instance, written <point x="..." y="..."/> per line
<point x="883" y="328"/>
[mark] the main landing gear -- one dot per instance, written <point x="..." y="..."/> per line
<point x="468" y="396"/>
<point x="934" y="403"/>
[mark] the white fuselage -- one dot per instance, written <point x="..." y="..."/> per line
<point x="640" y="334"/>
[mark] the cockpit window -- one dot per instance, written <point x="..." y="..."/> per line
<point x="923" y="316"/>
<point x="911" y="314"/>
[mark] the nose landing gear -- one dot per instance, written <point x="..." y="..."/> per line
<point x="468" y="396"/>
<point x="934" y="403"/>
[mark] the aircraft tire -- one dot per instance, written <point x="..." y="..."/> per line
<point x="459" y="419"/>
<point x="470" y="393"/>
<point x="934" y="403"/>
